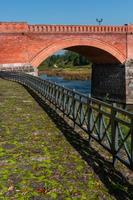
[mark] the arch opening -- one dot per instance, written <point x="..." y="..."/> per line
<point x="100" y="54"/>
<point x="67" y="68"/>
<point x="97" y="51"/>
<point x="95" y="55"/>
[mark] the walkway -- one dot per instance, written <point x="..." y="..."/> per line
<point x="41" y="159"/>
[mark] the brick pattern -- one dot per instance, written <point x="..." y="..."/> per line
<point x="13" y="27"/>
<point x="24" y="43"/>
<point x="23" y="26"/>
<point x="77" y="29"/>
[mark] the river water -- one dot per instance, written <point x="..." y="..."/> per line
<point x="82" y="86"/>
<point x="79" y="85"/>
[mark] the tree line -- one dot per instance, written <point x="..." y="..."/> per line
<point x="65" y="59"/>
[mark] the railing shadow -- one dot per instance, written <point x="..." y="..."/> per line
<point x="113" y="180"/>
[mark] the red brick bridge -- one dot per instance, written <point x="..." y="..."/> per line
<point x="110" y="48"/>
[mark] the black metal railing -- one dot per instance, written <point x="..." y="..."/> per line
<point x="110" y="126"/>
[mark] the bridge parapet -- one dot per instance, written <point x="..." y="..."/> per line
<point x="78" y="29"/>
<point x="13" y="27"/>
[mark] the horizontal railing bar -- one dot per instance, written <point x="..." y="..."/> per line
<point x="123" y="122"/>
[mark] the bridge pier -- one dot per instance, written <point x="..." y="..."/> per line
<point x="129" y="81"/>
<point x="35" y="71"/>
<point x="113" y="82"/>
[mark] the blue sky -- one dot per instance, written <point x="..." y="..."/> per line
<point x="67" y="11"/>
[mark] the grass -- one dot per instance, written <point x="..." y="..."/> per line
<point x="41" y="159"/>
<point x="70" y="73"/>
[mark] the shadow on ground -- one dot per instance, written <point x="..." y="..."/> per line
<point x="113" y="180"/>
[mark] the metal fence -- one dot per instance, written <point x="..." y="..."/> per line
<point x="110" y="126"/>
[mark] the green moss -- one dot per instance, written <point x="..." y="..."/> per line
<point x="35" y="157"/>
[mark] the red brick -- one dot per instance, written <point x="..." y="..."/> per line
<point x="23" y="43"/>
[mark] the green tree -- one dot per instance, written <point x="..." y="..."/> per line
<point x="69" y="58"/>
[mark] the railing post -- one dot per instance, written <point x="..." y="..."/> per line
<point x="131" y="164"/>
<point x="114" y="138"/>
<point x="63" y="99"/>
<point x="89" y="117"/>
<point x="73" y="107"/>
<point x="100" y="124"/>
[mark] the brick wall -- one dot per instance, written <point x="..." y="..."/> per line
<point x="23" y="43"/>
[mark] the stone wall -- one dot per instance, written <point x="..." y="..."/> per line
<point x="19" y="67"/>
<point x="129" y="81"/>
<point x="108" y="82"/>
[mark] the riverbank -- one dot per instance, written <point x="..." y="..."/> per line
<point x="41" y="157"/>
<point x="69" y="73"/>
<point x="36" y="159"/>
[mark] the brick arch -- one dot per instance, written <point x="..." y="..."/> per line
<point x="68" y="43"/>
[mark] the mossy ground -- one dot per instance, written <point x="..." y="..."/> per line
<point x="36" y="160"/>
